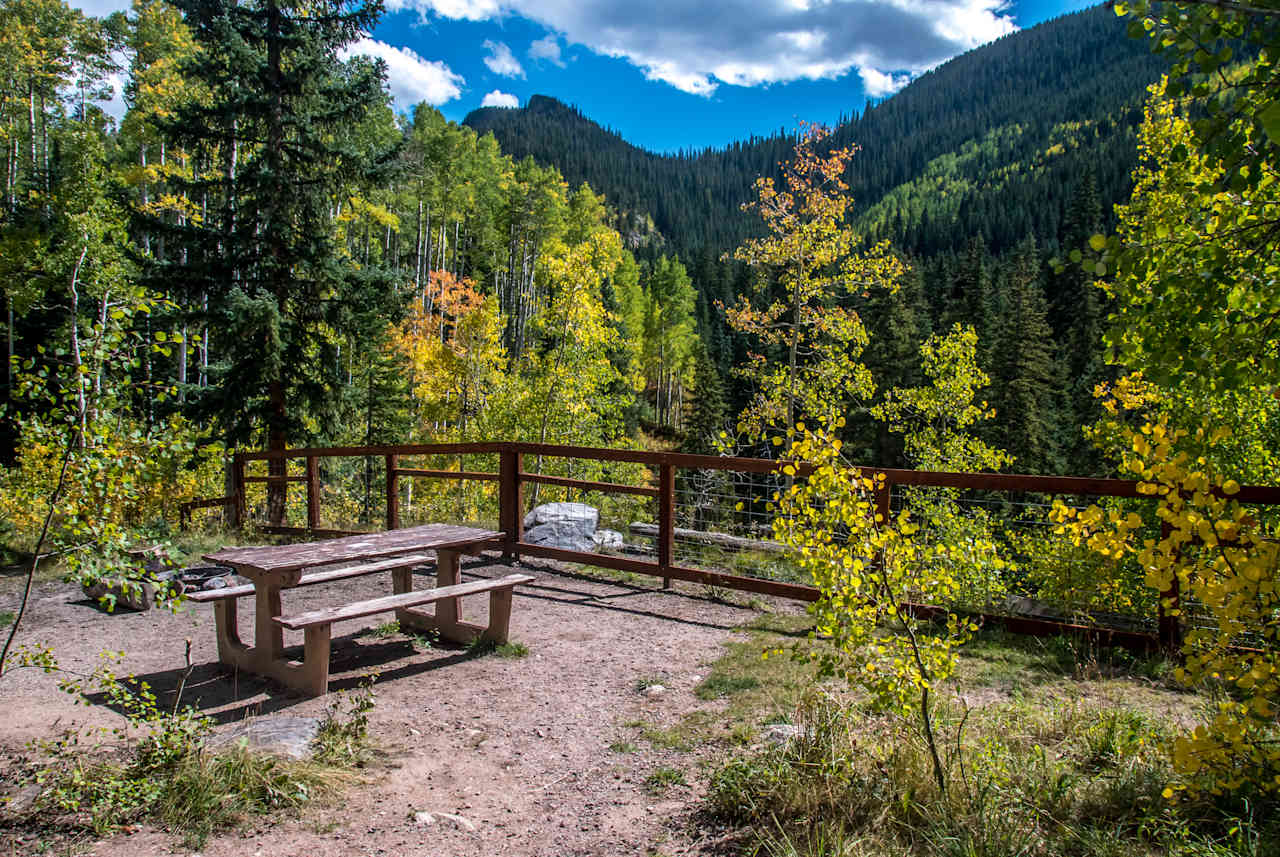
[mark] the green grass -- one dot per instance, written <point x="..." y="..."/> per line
<point x="662" y="779"/>
<point x="1070" y="778"/>
<point x="645" y="682"/>
<point x="421" y="640"/>
<point x="623" y="747"/>
<point x="722" y="684"/>
<point x="1053" y="747"/>
<point x="479" y="648"/>
<point x="7" y="618"/>
<point x="664" y="738"/>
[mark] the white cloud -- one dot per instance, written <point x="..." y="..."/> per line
<point x="697" y="45"/>
<point x="498" y="98"/>
<point x="547" y="48"/>
<point x="411" y="78"/>
<point x="877" y="84"/>
<point x="501" y="61"/>
<point x="470" y="10"/>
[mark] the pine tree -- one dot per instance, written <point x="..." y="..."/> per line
<point x="1028" y="393"/>
<point x="1078" y="315"/>
<point x="274" y="142"/>
<point x="708" y="411"/>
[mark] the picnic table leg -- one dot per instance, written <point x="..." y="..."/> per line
<point x="226" y="621"/>
<point x="402" y="582"/>
<point x="268" y="641"/>
<point x="449" y="610"/>
<point x="314" y="677"/>
<point x="499" y="615"/>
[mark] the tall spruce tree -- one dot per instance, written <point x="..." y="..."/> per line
<point x="1077" y="315"/>
<point x="274" y="141"/>
<point x="1028" y="392"/>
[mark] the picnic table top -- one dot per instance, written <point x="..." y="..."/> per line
<point x="286" y="558"/>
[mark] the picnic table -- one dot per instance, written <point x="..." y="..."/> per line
<point x="275" y="568"/>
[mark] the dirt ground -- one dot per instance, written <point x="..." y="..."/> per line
<point x="519" y="748"/>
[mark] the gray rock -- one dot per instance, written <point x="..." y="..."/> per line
<point x="781" y="733"/>
<point x="447" y="819"/>
<point x="134" y="597"/>
<point x="21" y="802"/>
<point x="564" y="535"/>
<point x="653" y="691"/>
<point x="579" y="514"/>
<point x="281" y="735"/>
<point x="611" y="539"/>
<point x="569" y="526"/>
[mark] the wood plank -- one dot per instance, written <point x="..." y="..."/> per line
<point x="403" y="449"/>
<point x="374" y="606"/>
<point x="586" y="485"/>
<point x="446" y="474"/>
<point x="322" y="532"/>
<point x="274" y="480"/>
<point x="282" y="558"/>
<point x="211" y="503"/>
<point x="313" y="493"/>
<point x="326" y="576"/>
<point x="393" y="492"/>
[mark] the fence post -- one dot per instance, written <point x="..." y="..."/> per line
<point x="666" y="518"/>
<point x="883" y="492"/>
<point x="510" y="501"/>
<point x="1168" y="607"/>
<point x="240" y="513"/>
<point x="393" y="492"/>
<point x="313" y="493"/>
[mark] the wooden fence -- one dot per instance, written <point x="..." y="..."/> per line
<point x="512" y="477"/>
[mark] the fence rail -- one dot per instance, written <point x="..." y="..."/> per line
<point x="695" y="495"/>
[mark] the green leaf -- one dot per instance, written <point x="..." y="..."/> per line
<point x="1097" y="242"/>
<point x="1270" y="121"/>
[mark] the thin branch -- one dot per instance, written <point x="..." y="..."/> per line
<point x="54" y="497"/>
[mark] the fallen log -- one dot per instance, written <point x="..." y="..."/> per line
<point x="722" y="540"/>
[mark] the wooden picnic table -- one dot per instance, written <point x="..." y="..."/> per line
<point x="275" y="568"/>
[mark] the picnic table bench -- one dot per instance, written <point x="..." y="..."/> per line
<point x="272" y="569"/>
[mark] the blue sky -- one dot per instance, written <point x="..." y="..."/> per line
<point x="673" y="74"/>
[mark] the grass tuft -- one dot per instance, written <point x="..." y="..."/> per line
<point x="480" y="647"/>
<point x="662" y="779"/>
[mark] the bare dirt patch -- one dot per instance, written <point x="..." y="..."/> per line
<point x="541" y="755"/>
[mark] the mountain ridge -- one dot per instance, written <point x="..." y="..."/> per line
<point x="1076" y="82"/>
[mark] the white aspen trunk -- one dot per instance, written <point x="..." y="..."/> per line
<point x="77" y="360"/>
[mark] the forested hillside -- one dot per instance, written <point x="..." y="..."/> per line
<point x="989" y="144"/>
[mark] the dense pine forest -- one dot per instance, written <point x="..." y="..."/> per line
<point x="990" y="144"/>
<point x="980" y="171"/>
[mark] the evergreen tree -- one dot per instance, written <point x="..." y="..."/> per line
<point x="708" y="413"/>
<point x="1028" y="392"/>
<point x="274" y="141"/>
<point x="1078" y="316"/>
<point x="897" y="324"/>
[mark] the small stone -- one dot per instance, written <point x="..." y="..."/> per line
<point x="653" y="691"/>
<point x="424" y="817"/>
<point x="457" y="821"/>
<point x="781" y="733"/>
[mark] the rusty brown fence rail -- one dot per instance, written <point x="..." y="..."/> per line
<point x="675" y="552"/>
